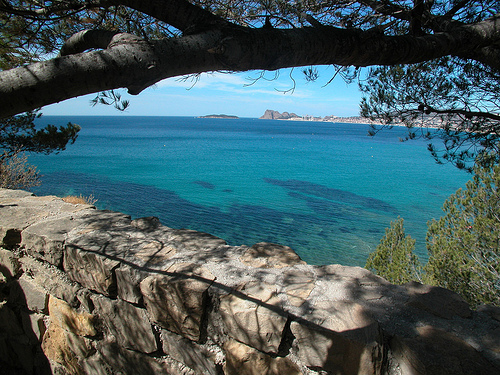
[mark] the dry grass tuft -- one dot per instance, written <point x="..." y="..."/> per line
<point x="80" y="199"/>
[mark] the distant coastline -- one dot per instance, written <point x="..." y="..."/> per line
<point x="275" y="115"/>
<point x="219" y="116"/>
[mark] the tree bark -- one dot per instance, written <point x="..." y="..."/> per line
<point x="135" y="64"/>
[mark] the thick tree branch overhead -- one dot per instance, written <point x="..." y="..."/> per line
<point x="211" y="42"/>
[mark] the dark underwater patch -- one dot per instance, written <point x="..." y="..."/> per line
<point x="205" y="184"/>
<point x="241" y="224"/>
<point x="334" y="195"/>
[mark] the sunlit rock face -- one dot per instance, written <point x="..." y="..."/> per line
<point x="85" y="291"/>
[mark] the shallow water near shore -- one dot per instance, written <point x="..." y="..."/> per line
<point x="325" y="189"/>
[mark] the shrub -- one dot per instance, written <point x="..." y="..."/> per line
<point x="394" y="259"/>
<point x="464" y="245"/>
<point x="16" y="173"/>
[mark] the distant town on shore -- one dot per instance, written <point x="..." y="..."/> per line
<point x="275" y="115"/>
<point x="270" y="114"/>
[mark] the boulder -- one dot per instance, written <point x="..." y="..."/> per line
<point x="35" y="297"/>
<point x="124" y="361"/>
<point x="66" y="348"/>
<point x="128" y="280"/>
<point x="299" y="284"/>
<point x="187" y="239"/>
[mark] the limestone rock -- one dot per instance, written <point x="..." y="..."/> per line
<point x="192" y="240"/>
<point x="176" y="299"/>
<point x="52" y="279"/>
<point x="91" y="269"/>
<point x="63" y="315"/>
<point x="128" y="280"/>
<point x="339" y="337"/>
<point x="36" y="298"/>
<point x="34" y="325"/>
<point x="9" y="264"/>
<point x="16" y="351"/>
<point x="242" y="359"/>
<point x="436" y="352"/>
<point x="146" y="224"/>
<point x="7" y="194"/>
<point x="253" y="315"/>
<point x="197" y="358"/>
<point x="124" y="361"/>
<point x="490" y="310"/>
<point x="8" y="321"/>
<point x="128" y="324"/>
<point x="20" y="212"/>
<point x="268" y="255"/>
<point x="438" y="301"/>
<point x="66" y="348"/>
<point x="154" y="252"/>
<point x="45" y="239"/>
<point x="298" y="285"/>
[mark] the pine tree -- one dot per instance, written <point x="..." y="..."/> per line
<point x="464" y="245"/>
<point x="394" y="258"/>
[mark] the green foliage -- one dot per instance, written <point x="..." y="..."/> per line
<point x="455" y="95"/>
<point x="394" y="259"/>
<point x="110" y="97"/>
<point x="18" y="133"/>
<point x="464" y="245"/>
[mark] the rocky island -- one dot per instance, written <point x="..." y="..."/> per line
<point x="219" y="116"/>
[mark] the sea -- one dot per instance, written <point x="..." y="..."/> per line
<point x="327" y="190"/>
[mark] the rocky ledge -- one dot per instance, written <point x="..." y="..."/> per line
<point x="86" y="291"/>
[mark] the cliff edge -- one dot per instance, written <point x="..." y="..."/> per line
<point x="85" y="291"/>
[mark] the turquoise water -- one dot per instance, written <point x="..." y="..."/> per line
<point x="326" y="190"/>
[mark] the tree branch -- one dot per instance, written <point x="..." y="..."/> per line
<point x="87" y="39"/>
<point x="180" y="14"/>
<point x="465" y="113"/>
<point x="136" y="64"/>
<point x="46" y="12"/>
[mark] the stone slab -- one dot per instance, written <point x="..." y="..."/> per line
<point x="253" y="315"/>
<point x="128" y="324"/>
<point x="177" y="298"/>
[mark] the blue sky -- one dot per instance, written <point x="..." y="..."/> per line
<point x="231" y="94"/>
